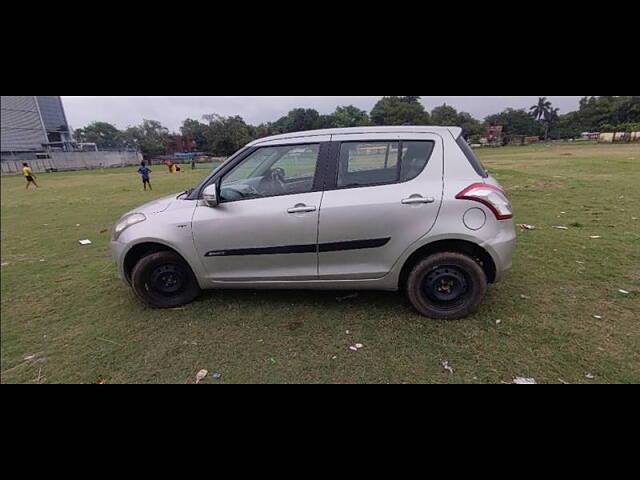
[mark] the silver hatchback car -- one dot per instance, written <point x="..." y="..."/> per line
<point x="371" y="208"/>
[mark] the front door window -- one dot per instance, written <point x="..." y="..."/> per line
<point x="272" y="171"/>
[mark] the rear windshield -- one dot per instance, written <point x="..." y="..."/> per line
<point x="472" y="157"/>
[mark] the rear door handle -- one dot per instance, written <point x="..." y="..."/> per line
<point x="417" y="199"/>
<point x="301" y="208"/>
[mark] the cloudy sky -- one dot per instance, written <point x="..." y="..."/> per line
<point x="125" y="111"/>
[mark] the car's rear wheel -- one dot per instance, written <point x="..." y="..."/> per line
<point x="447" y="286"/>
<point x="164" y="280"/>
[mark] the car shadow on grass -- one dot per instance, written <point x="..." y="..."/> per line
<point x="324" y="299"/>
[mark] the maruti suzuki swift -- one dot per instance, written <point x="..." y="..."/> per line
<point x="369" y="208"/>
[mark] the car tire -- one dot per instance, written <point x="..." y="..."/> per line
<point x="164" y="280"/>
<point x="447" y="286"/>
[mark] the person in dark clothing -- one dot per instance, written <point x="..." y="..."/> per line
<point x="145" y="172"/>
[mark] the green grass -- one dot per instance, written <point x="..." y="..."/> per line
<point x="82" y="324"/>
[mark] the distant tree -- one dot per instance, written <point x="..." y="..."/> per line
<point x="399" y="111"/>
<point x="226" y="135"/>
<point x="541" y="108"/>
<point x="299" y="120"/>
<point x="550" y="120"/>
<point x="103" y="134"/>
<point x="595" y="112"/>
<point x="348" y="116"/>
<point x="567" y="126"/>
<point x="197" y="131"/>
<point x="445" y="115"/>
<point x="410" y="99"/>
<point x="516" y="122"/>
<point x="470" y="126"/>
<point x="151" y="137"/>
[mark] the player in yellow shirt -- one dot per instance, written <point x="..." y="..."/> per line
<point x="28" y="174"/>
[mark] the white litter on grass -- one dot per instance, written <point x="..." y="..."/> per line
<point x="524" y="226"/>
<point x="524" y="381"/>
<point x="356" y="347"/>
<point x="29" y="357"/>
<point x="447" y="367"/>
<point x="590" y="377"/>
<point x="85" y="242"/>
<point x="624" y="292"/>
<point x="201" y="375"/>
<point x="595" y="237"/>
<point x="557" y="227"/>
<point x="524" y="297"/>
<point x="597" y="317"/>
<point x="498" y="322"/>
<point x="4" y="264"/>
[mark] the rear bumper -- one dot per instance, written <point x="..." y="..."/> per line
<point x="501" y="248"/>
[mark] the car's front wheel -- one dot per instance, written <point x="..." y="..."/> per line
<point x="164" y="280"/>
<point x="447" y="286"/>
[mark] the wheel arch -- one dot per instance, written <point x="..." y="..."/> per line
<point x="465" y="247"/>
<point x="143" y="249"/>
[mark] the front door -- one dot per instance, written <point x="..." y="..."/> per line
<point x="266" y="225"/>
<point x="386" y="195"/>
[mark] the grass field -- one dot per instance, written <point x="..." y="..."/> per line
<point x="66" y="317"/>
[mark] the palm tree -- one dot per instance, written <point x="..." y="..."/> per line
<point x="541" y="109"/>
<point x="550" y="118"/>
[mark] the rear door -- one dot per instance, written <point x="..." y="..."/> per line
<point x="383" y="194"/>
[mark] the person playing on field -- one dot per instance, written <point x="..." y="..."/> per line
<point x="28" y="174"/>
<point x="144" y="171"/>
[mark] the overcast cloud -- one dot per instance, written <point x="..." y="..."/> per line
<point x="171" y="111"/>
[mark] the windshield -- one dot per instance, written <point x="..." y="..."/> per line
<point x="193" y="193"/>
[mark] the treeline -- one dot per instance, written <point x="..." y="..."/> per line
<point x="222" y="136"/>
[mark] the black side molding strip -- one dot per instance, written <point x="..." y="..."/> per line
<point x="324" y="247"/>
<point x="354" y="245"/>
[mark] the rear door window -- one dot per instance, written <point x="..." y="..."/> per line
<point x="472" y="157"/>
<point x="381" y="163"/>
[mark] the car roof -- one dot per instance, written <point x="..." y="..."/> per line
<point x="454" y="131"/>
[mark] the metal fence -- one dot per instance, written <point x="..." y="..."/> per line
<point x="11" y="164"/>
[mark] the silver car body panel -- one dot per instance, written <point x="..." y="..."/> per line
<point x="360" y="219"/>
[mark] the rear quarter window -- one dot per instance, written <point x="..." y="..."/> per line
<point x="472" y="157"/>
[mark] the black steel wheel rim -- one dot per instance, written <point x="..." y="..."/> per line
<point x="168" y="279"/>
<point x="447" y="286"/>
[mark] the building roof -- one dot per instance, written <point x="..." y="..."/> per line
<point x="455" y="131"/>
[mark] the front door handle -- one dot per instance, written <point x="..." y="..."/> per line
<point x="301" y="208"/>
<point x="417" y="199"/>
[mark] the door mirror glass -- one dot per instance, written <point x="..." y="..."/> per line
<point x="210" y="195"/>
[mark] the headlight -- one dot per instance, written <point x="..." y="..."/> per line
<point x="126" y="222"/>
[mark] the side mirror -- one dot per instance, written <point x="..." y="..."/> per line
<point x="210" y="196"/>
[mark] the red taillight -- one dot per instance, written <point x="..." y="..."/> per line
<point x="493" y="197"/>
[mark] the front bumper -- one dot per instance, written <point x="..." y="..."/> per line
<point x="118" y="252"/>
